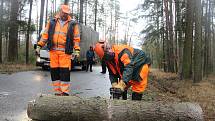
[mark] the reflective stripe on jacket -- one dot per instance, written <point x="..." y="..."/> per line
<point x="58" y="37"/>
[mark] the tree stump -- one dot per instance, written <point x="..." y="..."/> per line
<point x="72" y="108"/>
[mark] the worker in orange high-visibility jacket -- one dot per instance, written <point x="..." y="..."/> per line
<point x="128" y="67"/>
<point x="62" y="38"/>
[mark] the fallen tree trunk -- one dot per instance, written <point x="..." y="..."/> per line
<point x="72" y="108"/>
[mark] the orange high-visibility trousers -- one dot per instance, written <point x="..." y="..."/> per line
<point x="139" y="87"/>
<point x="60" y="64"/>
<point x="59" y="59"/>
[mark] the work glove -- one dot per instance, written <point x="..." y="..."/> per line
<point x="37" y="51"/>
<point x="76" y="53"/>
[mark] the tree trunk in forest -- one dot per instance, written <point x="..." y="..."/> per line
<point x="213" y="42"/>
<point x="157" y="6"/>
<point x="176" y="36"/>
<point x="210" y="17"/>
<point x="115" y="23"/>
<point x="72" y="12"/>
<point x="1" y="28"/>
<point x="213" y="53"/>
<point x="28" y="33"/>
<point x="95" y="18"/>
<point x="13" y="32"/>
<point x="180" y="33"/>
<point x="188" y="43"/>
<point x="85" y="15"/>
<point x="47" y="2"/>
<point x="166" y="45"/>
<point x="19" y="34"/>
<point x="171" y="65"/>
<point x="210" y="37"/>
<point x="163" y="38"/>
<point x="198" y="42"/>
<point x="81" y="11"/>
<point x="55" y="6"/>
<point x="6" y="42"/>
<point x="73" y="108"/>
<point x="207" y="39"/>
<point x="41" y="15"/>
<point x="78" y="10"/>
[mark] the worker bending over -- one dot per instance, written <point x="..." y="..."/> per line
<point x="128" y="67"/>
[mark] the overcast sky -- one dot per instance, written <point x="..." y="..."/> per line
<point x="126" y="6"/>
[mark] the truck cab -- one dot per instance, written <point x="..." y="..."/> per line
<point x="43" y="58"/>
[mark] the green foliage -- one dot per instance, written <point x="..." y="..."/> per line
<point x="151" y="42"/>
<point x="24" y="26"/>
<point x="22" y="53"/>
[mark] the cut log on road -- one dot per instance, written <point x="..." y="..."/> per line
<point x="72" y="108"/>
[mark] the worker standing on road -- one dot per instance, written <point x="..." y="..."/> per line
<point x="90" y="57"/>
<point x="127" y="67"/>
<point x="103" y="64"/>
<point x="62" y="38"/>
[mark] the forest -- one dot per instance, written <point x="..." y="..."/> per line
<point x="177" y="35"/>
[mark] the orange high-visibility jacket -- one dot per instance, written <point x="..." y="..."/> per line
<point x="127" y="63"/>
<point x="60" y="35"/>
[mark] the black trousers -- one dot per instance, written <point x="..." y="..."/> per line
<point x="62" y="74"/>
<point x="89" y="64"/>
<point x="103" y="66"/>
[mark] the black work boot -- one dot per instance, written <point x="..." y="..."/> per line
<point x="136" y="96"/>
<point x="57" y="94"/>
<point x="124" y="95"/>
<point x="64" y="94"/>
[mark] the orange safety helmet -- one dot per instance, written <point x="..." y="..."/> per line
<point x="65" y="9"/>
<point x="100" y="48"/>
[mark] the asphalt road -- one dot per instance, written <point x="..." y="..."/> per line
<point x="18" y="88"/>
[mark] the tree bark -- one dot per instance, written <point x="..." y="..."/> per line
<point x="171" y="65"/>
<point x="213" y="42"/>
<point x="95" y="18"/>
<point x="198" y="42"/>
<point x="163" y="38"/>
<point x="179" y="25"/>
<point x="188" y="43"/>
<point x="73" y="108"/>
<point x="28" y="33"/>
<point x="47" y="2"/>
<point x="177" y="9"/>
<point x="166" y="45"/>
<point x="81" y="11"/>
<point x="1" y="28"/>
<point x="13" y="32"/>
<point x="55" y="6"/>
<point x="207" y="40"/>
<point x="85" y="15"/>
<point x="210" y="37"/>
<point x="157" y="5"/>
<point x="41" y="15"/>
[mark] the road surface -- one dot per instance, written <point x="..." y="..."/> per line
<point x="18" y="88"/>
